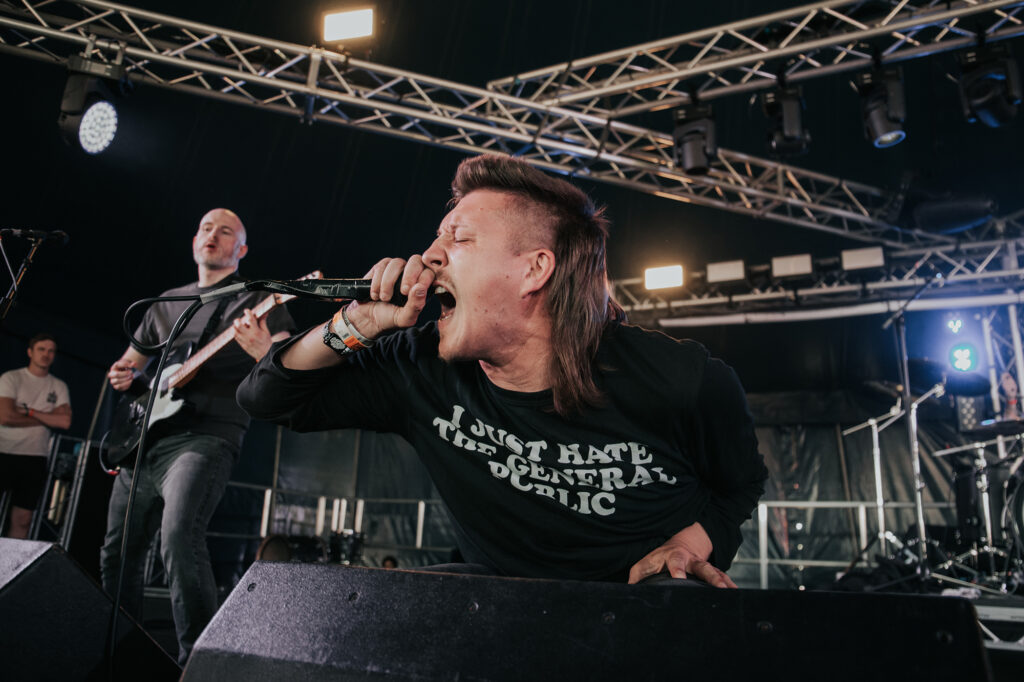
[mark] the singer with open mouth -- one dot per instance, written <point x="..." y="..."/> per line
<point x="565" y="443"/>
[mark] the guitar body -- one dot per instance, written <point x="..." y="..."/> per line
<point x="124" y="436"/>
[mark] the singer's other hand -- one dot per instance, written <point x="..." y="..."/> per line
<point x="378" y="316"/>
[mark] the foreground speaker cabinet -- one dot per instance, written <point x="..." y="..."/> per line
<point x="329" y="622"/>
<point x="54" y="620"/>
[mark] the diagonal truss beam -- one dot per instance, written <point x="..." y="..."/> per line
<point x="319" y="85"/>
<point x="796" y="45"/>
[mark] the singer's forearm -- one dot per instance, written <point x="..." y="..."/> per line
<point x="310" y="352"/>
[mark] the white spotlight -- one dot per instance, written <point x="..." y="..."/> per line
<point x="663" y="278"/>
<point x="348" y="25"/>
<point x="98" y="127"/>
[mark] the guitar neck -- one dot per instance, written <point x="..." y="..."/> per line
<point x="192" y="365"/>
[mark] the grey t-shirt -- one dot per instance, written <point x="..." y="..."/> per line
<point x="210" y="396"/>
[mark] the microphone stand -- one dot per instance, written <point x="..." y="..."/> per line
<point x="915" y="451"/>
<point x="894" y="413"/>
<point x="8" y="299"/>
<point x="899" y="317"/>
<point x="179" y="325"/>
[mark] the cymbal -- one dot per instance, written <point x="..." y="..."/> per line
<point x="990" y="428"/>
<point x="925" y="373"/>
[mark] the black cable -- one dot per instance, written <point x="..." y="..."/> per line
<point x="128" y="330"/>
<point x="183" y="320"/>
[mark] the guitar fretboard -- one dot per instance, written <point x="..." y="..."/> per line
<point x="192" y="365"/>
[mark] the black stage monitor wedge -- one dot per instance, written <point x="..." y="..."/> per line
<point x="289" y="621"/>
<point x="54" y="620"/>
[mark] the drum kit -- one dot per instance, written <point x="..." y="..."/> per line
<point x="989" y="499"/>
<point x="338" y="547"/>
<point x="985" y="550"/>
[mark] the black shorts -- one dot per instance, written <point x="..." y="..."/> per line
<point x="24" y="477"/>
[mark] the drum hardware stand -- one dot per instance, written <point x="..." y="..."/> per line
<point x="982" y="468"/>
<point x="987" y="548"/>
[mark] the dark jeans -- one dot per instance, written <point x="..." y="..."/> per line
<point x="180" y="484"/>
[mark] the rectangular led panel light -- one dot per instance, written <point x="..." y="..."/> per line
<point x="726" y="271"/>
<point x="341" y="26"/>
<point x="663" y="278"/>
<point x="792" y="266"/>
<point x="858" y="259"/>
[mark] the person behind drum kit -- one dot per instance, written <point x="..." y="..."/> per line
<point x="565" y="443"/>
<point x="190" y="455"/>
<point x="33" y="402"/>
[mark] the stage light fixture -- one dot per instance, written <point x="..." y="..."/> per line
<point x="664" y="277"/>
<point x="341" y="26"/>
<point x="963" y="357"/>
<point x="883" y="106"/>
<point x="990" y="85"/>
<point x="784" y="109"/>
<point x="88" y="116"/>
<point x="799" y="265"/>
<point x="726" y="271"/>
<point x="694" y="138"/>
<point x="955" y="324"/>
<point x="98" y="127"/>
<point x="860" y="259"/>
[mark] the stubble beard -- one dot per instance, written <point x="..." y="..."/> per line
<point x="213" y="263"/>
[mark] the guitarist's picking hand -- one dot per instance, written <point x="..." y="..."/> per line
<point x="121" y="374"/>
<point x="252" y="334"/>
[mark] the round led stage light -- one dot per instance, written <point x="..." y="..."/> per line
<point x="98" y="127"/>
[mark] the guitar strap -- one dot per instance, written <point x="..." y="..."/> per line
<point x="213" y="322"/>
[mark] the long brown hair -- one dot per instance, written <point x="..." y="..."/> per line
<point x="578" y="301"/>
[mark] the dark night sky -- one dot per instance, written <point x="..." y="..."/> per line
<point x="339" y="199"/>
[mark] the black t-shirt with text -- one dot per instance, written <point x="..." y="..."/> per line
<point x="535" y="494"/>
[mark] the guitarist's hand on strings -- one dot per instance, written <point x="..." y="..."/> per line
<point x="252" y="334"/>
<point x="121" y="374"/>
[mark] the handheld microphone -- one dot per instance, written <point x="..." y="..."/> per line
<point x="321" y="289"/>
<point x="328" y="289"/>
<point x="57" y="237"/>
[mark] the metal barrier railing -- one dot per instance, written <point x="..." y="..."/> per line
<point x="333" y="514"/>
<point x="61" y="490"/>
<point x="59" y="507"/>
<point x="861" y="507"/>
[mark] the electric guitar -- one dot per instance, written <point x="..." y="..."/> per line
<point x="123" y="438"/>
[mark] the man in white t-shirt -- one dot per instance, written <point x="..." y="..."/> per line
<point x="32" y="403"/>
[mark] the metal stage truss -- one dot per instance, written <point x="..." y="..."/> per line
<point x="794" y="45"/>
<point x="314" y="84"/>
<point x="971" y="274"/>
